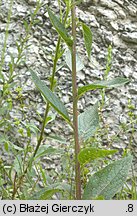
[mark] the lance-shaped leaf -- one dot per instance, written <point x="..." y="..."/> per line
<point x="86" y="155"/>
<point x="50" y="96"/>
<point x="49" y="191"/>
<point x="46" y="150"/>
<point x="60" y="28"/>
<point x="114" y="83"/>
<point x="68" y="59"/>
<point x="45" y="194"/>
<point x="87" y="34"/>
<point x="88" y="122"/>
<point x="109" y="180"/>
<point x="57" y="139"/>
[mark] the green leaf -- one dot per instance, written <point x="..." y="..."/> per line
<point x="57" y="139"/>
<point x="46" y="150"/>
<point x="68" y="59"/>
<point x="50" y="190"/>
<point x="99" y="198"/>
<point x="32" y="127"/>
<point x="88" y="122"/>
<point x="60" y="28"/>
<point x="48" y="194"/>
<point x="16" y="147"/>
<point x="50" y="96"/>
<point x="6" y="146"/>
<point x="18" y="164"/>
<point x="89" y="87"/>
<point x="50" y="118"/>
<point x="87" y="34"/>
<point x="114" y="83"/>
<point x="86" y="155"/>
<point x="109" y="180"/>
<point x="44" y="194"/>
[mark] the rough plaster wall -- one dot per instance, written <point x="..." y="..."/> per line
<point x="115" y="22"/>
<point x="112" y="22"/>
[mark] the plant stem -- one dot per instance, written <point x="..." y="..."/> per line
<point x="48" y="106"/>
<point x="42" y="130"/>
<point x="75" y="109"/>
<point x="44" y="121"/>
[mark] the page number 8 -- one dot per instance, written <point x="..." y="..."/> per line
<point x="130" y="208"/>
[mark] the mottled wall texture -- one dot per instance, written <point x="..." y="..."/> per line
<point x="112" y="22"/>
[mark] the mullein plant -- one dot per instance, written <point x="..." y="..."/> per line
<point x="106" y="182"/>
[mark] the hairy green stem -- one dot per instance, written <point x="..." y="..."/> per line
<point x="75" y="109"/>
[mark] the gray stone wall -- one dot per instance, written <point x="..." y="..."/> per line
<point x="112" y="22"/>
